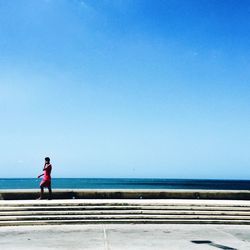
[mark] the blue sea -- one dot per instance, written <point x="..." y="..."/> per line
<point x="126" y="183"/>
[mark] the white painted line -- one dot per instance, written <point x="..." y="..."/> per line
<point x="106" y="244"/>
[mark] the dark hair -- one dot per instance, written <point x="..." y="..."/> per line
<point x="47" y="159"/>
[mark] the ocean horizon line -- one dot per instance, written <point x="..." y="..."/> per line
<point x="140" y="178"/>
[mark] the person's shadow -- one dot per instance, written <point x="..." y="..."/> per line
<point x="210" y="243"/>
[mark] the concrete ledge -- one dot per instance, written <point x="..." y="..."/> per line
<point x="30" y="194"/>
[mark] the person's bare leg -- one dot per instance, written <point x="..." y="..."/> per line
<point x="50" y="193"/>
<point x="41" y="194"/>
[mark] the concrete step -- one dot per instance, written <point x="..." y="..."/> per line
<point x="110" y="212"/>
<point x="168" y="205"/>
<point x="124" y="221"/>
<point x="132" y="203"/>
<point x="123" y="207"/>
<point x="119" y="211"/>
<point x="121" y="216"/>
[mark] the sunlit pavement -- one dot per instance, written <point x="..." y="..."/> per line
<point x="127" y="236"/>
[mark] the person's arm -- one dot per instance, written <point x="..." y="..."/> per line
<point x="40" y="175"/>
<point x="46" y="166"/>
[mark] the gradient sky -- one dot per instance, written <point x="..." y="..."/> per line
<point x="125" y="88"/>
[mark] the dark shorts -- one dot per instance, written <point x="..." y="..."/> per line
<point x="45" y="183"/>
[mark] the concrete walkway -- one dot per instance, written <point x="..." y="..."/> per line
<point x="31" y="194"/>
<point x="124" y="237"/>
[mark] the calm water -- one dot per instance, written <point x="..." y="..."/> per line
<point x="127" y="183"/>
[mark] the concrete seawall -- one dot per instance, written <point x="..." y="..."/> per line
<point x="30" y="194"/>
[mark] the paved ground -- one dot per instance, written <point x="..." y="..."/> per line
<point x="124" y="237"/>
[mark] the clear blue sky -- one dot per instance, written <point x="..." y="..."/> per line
<point x="125" y="88"/>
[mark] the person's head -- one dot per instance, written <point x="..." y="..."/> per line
<point x="47" y="160"/>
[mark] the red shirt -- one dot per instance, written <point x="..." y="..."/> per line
<point x="47" y="172"/>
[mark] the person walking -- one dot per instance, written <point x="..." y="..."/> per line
<point x="46" y="181"/>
